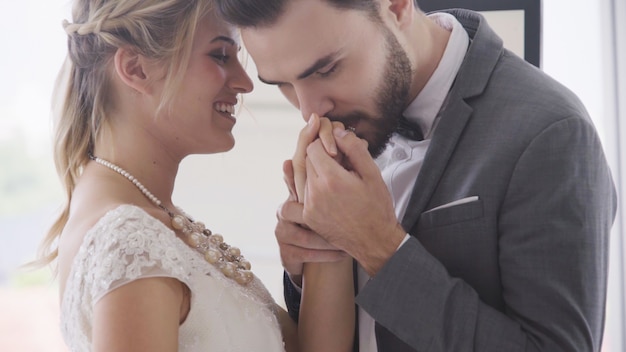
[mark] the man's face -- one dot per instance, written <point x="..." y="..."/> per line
<point x="336" y="63"/>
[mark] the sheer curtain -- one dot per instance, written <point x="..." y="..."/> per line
<point x="584" y="47"/>
<point x="613" y="13"/>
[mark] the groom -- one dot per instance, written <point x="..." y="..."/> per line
<point x="505" y="205"/>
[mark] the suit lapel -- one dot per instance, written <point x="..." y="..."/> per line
<point x="481" y="58"/>
<point x="451" y="125"/>
<point x="471" y="81"/>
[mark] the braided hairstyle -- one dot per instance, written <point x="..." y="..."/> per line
<point x="158" y="29"/>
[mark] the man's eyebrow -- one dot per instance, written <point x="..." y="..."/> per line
<point x="320" y="63"/>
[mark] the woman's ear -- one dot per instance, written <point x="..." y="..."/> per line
<point x="133" y="69"/>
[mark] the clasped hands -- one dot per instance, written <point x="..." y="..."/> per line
<point x="338" y="203"/>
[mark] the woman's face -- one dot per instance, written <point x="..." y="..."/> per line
<point x="200" y="118"/>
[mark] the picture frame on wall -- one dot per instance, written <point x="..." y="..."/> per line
<point x="518" y="22"/>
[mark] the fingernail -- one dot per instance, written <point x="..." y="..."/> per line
<point x="311" y="118"/>
<point x="340" y="132"/>
<point x="332" y="150"/>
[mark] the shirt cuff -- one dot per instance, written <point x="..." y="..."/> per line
<point x="296" y="286"/>
<point x="406" y="238"/>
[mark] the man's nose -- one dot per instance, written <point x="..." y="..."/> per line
<point x="310" y="101"/>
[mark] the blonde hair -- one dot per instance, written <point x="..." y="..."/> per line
<point x="158" y="29"/>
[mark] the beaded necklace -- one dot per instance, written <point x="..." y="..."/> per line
<point x="226" y="258"/>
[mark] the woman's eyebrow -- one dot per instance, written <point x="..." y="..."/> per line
<point x="224" y="39"/>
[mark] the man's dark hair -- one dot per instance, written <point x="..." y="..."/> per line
<point x="261" y="13"/>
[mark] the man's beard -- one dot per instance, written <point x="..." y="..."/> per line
<point x="391" y="99"/>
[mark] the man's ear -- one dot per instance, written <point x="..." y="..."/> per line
<point x="401" y="10"/>
<point x="132" y="69"/>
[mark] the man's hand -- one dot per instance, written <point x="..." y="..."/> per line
<point x="351" y="209"/>
<point x="297" y="243"/>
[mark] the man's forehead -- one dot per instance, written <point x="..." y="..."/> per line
<point x="292" y="44"/>
<point x="282" y="60"/>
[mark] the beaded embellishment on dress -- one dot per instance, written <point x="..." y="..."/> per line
<point x="212" y="246"/>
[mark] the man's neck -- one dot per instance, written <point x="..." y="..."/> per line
<point x="428" y="47"/>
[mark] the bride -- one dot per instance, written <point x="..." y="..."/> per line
<point x="145" y="84"/>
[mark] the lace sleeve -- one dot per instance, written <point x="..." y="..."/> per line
<point x="131" y="246"/>
<point x="128" y="244"/>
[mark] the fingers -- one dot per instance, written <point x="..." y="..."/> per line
<point x="356" y="153"/>
<point x="306" y="136"/>
<point x="298" y="244"/>
<point x="289" y="180"/>
<point x="317" y="128"/>
<point x="293" y="257"/>
<point x="318" y="162"/>
<point x="326" y="135"/>
<point x="337" y="124"/>
<point x="289" y="231"/>
<point x="290" y="211"/>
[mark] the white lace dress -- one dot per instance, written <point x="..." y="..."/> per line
<point x="127" y="244"/>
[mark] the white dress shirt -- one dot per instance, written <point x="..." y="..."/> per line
<point x="402" y="159"/>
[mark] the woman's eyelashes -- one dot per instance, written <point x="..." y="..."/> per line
<point x="221" y="56"/>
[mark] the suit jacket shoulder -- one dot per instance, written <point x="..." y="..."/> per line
<point x="493" y="273"/>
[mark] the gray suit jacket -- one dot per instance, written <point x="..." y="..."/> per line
<point x="524" y="267"/>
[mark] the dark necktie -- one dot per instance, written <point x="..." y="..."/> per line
<point x="409" y="129"/>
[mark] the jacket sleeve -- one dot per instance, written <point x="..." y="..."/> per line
<point x="553" y="227"/>
<point x="292" y="297"/>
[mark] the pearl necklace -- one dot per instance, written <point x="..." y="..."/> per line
<point x="212" y="246"/>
